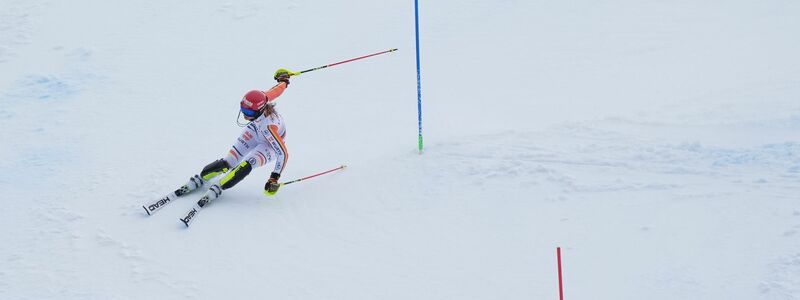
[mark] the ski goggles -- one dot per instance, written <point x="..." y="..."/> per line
<point x="250" y="113"/>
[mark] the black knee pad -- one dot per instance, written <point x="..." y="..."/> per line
<point x="234" y="176"/>
<point x="215" y="168"/>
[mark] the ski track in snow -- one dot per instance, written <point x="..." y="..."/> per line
<point x="783" y="280"/>
<point x="648" y="165"/>
<point x="15" y="26"/>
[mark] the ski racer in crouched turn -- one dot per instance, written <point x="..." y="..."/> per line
<point x="261" y="142"/>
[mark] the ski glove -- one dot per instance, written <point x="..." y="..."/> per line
<point x="272" y="184"/>
<point x="282" y="75"/>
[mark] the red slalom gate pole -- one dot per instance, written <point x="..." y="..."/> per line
<point x="560" y="282"/>
<point x="345" y="61"/>
<point x="315" y="175"/>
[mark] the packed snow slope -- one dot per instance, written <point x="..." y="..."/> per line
<point x="656" y="142"/>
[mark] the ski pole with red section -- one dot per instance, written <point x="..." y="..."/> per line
<point x="341" y="62"/>
<point x="315" y="175"/>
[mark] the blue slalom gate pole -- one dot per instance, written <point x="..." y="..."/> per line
<point x="419" y="86"/>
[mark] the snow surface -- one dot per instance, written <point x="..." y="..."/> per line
<point x="656" y="142"/>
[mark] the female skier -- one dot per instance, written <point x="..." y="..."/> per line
<point x="261" y="142"/>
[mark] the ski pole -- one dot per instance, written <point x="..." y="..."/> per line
<point x="341" y="62"/>
<point x="315" y="175"/>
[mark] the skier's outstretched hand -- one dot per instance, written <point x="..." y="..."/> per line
<point x="272" y="184"/>
<point x="282" y="75"/>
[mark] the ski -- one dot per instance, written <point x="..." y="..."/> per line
<point x="151" y="208"/>
<point x="190" y="215"/>
<point x="213" y="193"/>
<point x="194" y="183"/>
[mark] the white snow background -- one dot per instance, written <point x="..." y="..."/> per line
<point x="656" y="142"/>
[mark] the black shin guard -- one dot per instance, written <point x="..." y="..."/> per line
<point x="234" y="176"/>
<point x="215" y="168"/>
